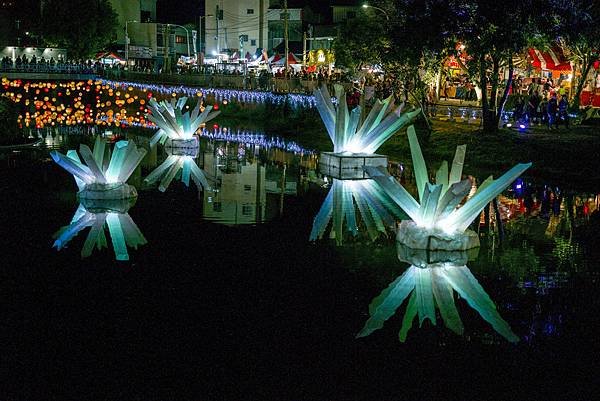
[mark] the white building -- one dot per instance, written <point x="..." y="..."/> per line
<point x="235" y="25"/>
<point x="132" y="10"/>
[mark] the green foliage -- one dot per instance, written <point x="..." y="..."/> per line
<point x="9" y="130"/>
<point x="83" y="27"/>
<point x="361" y="41"/>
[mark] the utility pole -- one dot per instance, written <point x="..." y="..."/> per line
<point x="304" y="50"/>
<point x="167" y="56"/>
<point x="285" y="33"/>
<point x="261" y="22"/>
<point x="217" y="18"/>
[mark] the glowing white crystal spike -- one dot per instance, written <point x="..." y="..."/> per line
<point x="102" y="178"/>
<point x="74" y="167"/>
<point x="345" y="129"/>
<point x="89" y="159"/>
<point x="120" y="153"/>
<point x="461" y="218"/>
<point x="439" y="212"/>
<point x="173" y="122"/>
<point x="72" y="154"/>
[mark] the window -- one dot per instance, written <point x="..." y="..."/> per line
<point x="180" y="39"/>
<point x="252" y="42"/>
<point x="247" y="210"/>
<point x="250" y="11"/>
<point x="247" y="188"/>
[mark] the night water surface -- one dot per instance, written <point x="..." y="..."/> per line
<point x="225" y="297"/>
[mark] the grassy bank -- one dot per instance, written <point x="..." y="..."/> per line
<point x="565" y="158"/>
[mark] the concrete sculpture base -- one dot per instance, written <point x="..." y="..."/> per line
<point x="114" y="191"/>
<point x="424" y="258"/>
<point x="349" y="165"/>
<point x="183" y="147"/>
<point x="416" y="237"/>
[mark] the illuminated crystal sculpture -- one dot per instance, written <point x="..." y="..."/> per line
<point x="354" y="141"/>
<point x="103" y="176"/>
<point x="98" y="214"/>
<point x="432" y="279"/>
<point x="438" y="222"/>
<point x="340" y="205"/>
<point x="179" y="163"/>
<point x="175" y="125"/>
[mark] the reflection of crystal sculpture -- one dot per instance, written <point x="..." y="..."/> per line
<point x="103" y="176"/>
<point x="96" y="214"/>
<point x="355" y="142"/>
<point x="179" y="163"/>
<point x="432" y="283"/>
<point x="437" y="223"/>
<point x="339" y="205"/>
<point x="175" y="124"/>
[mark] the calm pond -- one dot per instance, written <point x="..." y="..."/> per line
<point x="223" y="295"/>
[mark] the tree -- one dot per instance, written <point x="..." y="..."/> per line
<point x="9" y="113"/>
<point x="361" y="40"/>
<point x="83" y="27"/>
<point x="579" y="36"/>
<point x="493" y="32"/>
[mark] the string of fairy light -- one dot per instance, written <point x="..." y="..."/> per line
<point x="114" y="103"/>
<point x="70" y="104"/>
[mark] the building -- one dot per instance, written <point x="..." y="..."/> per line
<point x="344" y="10"/>
<point x="141" y="11"/>
<point x="151" y="44"/>
<point x="300" y="21"/>
<point x="235" y="25"/>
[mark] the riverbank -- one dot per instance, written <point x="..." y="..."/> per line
<point x="564" y="158"/>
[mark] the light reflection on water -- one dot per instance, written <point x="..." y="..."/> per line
<point x="544" y="243"/>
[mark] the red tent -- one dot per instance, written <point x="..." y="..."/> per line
<point x="274" y="58"/>
<point x="551" y="59"/>
<point x="291" y="60"/>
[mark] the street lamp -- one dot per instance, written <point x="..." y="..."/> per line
<point x="187" y="36"/>
<point x="387" y="17"/>
<point x="127" y="43"/>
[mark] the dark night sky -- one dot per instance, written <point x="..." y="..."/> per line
<point x="184" y="11"/>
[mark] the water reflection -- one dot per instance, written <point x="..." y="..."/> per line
<point x="376" y="211"/>
<point x="249" y="182"/>
<point x="431" y="281"/>
<point x="98" y="215"/>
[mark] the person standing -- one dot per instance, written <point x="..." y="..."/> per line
<point x="563" y="111"/>
<point x="533" y="103"/>
<point x="552" y="111"/>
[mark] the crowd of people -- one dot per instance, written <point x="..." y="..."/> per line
<point x="538" y="109"/>
<point x="35" y="64"/>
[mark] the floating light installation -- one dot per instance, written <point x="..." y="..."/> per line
<point x="103" y="176"/>
<point x="438" y="222"/>
<point x="176" y="124"/>
<point x="348" y="133"/>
